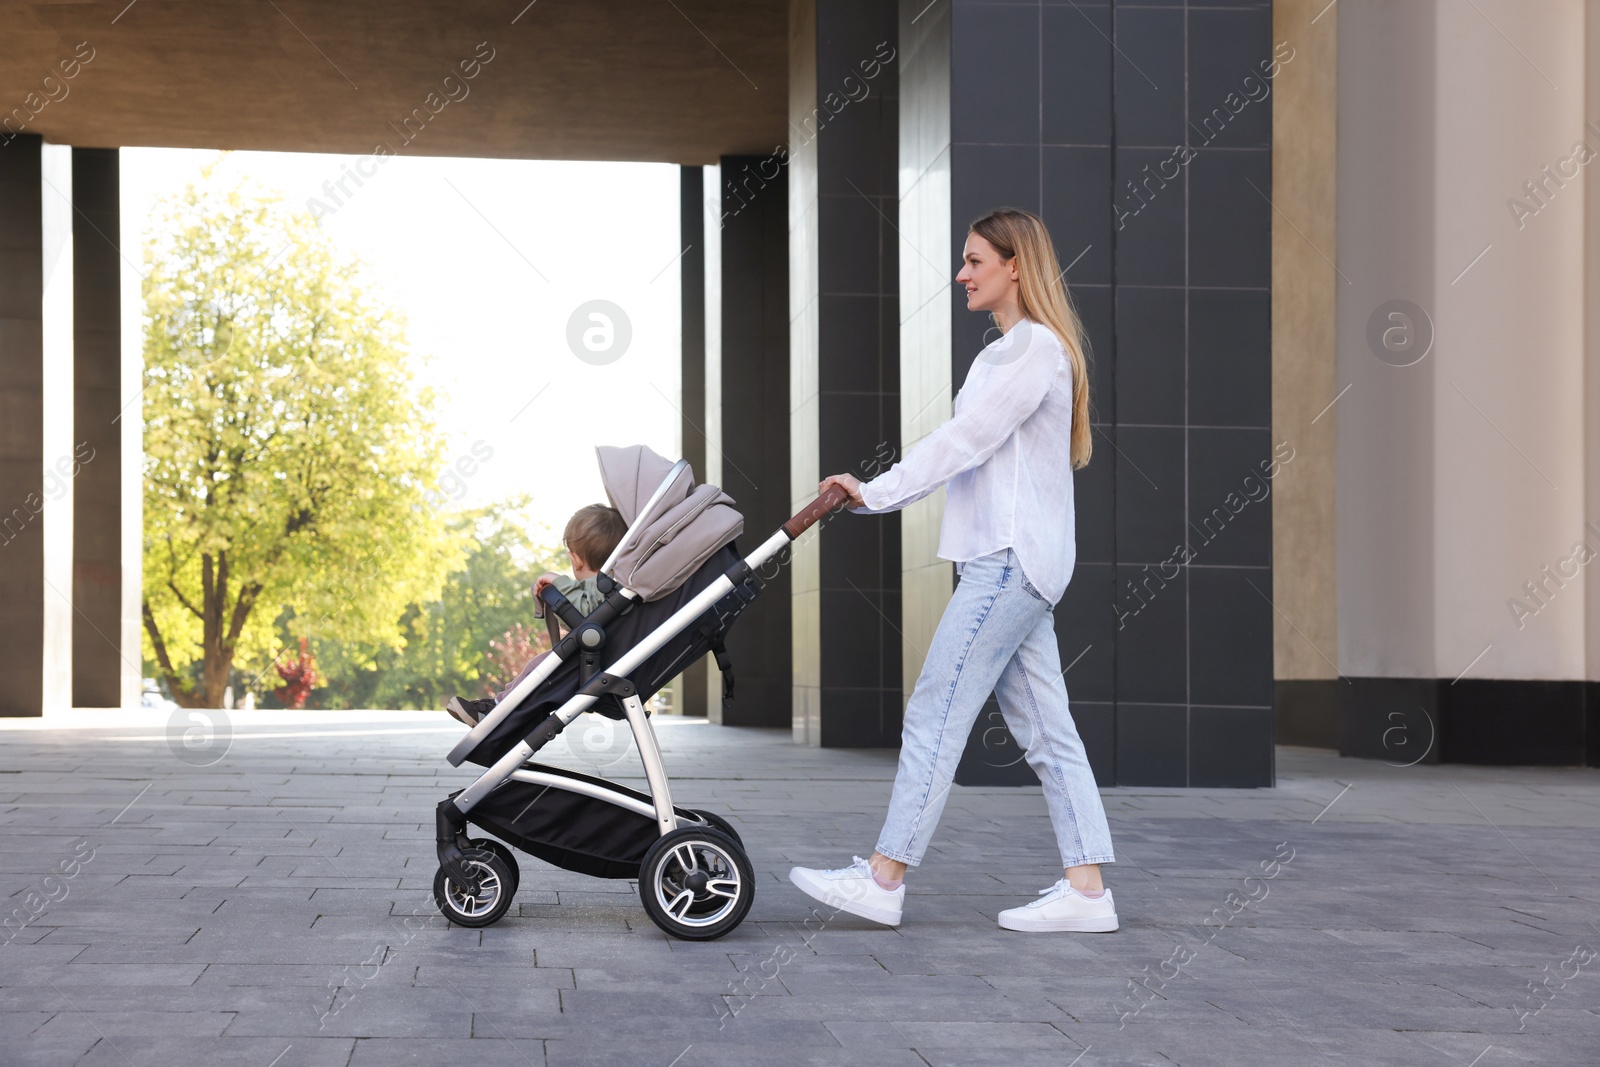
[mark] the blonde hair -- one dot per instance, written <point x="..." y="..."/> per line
<point x="1042" y="297"/>
<point x="593" y="533"/>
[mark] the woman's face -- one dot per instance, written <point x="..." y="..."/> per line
<point x="991" y="282"/>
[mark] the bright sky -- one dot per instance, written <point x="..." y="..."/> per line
<point x="489" y="260"/>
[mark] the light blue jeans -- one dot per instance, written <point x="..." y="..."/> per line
<point x="996" y="636"/>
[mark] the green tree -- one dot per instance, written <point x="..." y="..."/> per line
<point x="288" y="449"/>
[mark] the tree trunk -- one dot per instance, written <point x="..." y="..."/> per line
<point x="217" y="641"/>
<point x="214" y="675"/>
<point x="182" y="693"/>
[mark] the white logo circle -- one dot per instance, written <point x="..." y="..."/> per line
<point x="599" y="332"/>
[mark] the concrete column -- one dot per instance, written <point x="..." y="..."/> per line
<point x="100" y="655"/>
<point x="1304" y="384"/>
<point x="63" y="460"/>
<point x="690" y="691"/>
<point x="36" y="460"/>
<point x="1463" y="233"/>
<point x="844" y="364"/>
<point x="926" y="261"/>
<point x="747" y="440"/>
<point x="711" y="229"/>
<point x="22" y="588"/>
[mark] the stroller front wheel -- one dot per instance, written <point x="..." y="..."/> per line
<point x="489" y="844"/>
<point x="696" y="884"/>
<point x="496" y="887"/>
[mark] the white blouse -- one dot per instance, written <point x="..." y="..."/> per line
<point x="1006" y="454"/>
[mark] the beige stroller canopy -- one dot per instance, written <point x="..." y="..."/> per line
<point x="686" y="525"/>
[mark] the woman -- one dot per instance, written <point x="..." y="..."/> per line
<point x="1020" y="427"/>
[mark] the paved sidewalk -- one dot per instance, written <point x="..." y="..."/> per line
<point x="273" y="909"/>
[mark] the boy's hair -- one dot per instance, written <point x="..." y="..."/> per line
<point x="593" y="533"/>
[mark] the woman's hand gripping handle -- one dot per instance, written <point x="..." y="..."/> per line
<point x="833" y="497"/>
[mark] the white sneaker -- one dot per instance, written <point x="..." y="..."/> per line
<point x="852" y="889"/>
<point x="1062" y="908"/>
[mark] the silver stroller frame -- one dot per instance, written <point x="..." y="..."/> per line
<point x="452" y="814"/>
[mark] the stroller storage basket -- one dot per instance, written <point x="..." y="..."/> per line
<point x="581" y="833"/>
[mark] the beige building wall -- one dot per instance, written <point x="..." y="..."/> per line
<point x="1385" y="417"/>
<point x="1462" y="475"/>
<point x="1305" y="286"/>
<point x="1508" y="377"/>
<point x="1591" y="335"/>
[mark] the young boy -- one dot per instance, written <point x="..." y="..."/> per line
<point x="591" y="536"/>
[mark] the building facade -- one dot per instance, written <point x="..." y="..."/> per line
<point x="1338" y="266"/>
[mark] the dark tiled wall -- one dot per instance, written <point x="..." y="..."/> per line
<point x="858" y="372"/>
<point x="692" y="271"/>
<point x="1141" y="133"/>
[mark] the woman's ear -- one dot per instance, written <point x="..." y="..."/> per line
<point x="1012" y="262"/>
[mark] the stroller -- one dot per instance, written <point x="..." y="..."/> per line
<point x="673" y="587"/>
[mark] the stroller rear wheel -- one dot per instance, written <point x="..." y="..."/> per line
<point x="717" y="822"/>
<point x="696" y="884"/>
<point x="497" y="885"/>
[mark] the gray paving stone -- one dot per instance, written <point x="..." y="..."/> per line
<point x="602" y="1052"/>
<point x="1004" y="1057"/>
<point x="429" y="1052"/>
<point x="921" y="1033"/>
<point x="279" y="902"/>
<point x="61" y="1045"/>
<point x="155" y="1024"/>
<point x="74" y="976"/>
<point x="222" y="1052"/>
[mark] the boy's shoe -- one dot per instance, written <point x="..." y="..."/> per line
<point x="1062" y="908"/>
<point x="852" y="889"/>
<point x="470" y="712"/>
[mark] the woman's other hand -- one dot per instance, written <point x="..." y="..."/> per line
<point x="849" y="483"/>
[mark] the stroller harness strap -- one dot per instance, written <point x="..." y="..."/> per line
<point x="714" y="629"/>
<point x="725" y="665"/>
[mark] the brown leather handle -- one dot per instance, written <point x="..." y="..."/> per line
<point x="807" y="517"/>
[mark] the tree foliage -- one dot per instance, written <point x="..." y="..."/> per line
<point x="510" y="653"/>
<point x="288" y="449"/>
